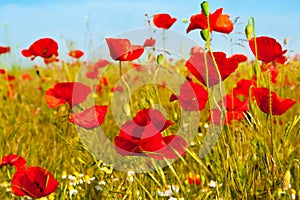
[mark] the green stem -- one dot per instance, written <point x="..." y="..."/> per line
<point x="207" y="45"/>
<point x="270" y="129"/>
<point x="127" y="87"/>
<point x="256" y="65"/>
<point x="153" y="83"/>
<point x="67" y="71"/>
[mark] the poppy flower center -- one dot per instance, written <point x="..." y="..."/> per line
<point x="45" y="51"/>
<point x="38" y="186"/>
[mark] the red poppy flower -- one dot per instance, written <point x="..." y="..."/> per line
<point x="10" y="77"/>
<point x="45" y="48"/>
<point x="122" y="50"/>
<point x="142" y="136"/>
<point x="76" y="54"/>
<point x="234" y="109"/>
<point x="89" y="118"/>
<point x="100" y="63"/>
<point x="69" y="92"/>
<point x="93" y="74"/>
<point x="26" y="76"/>
<point x="279" y="105"/>
<point x="193" y="179"/>
<point x="157" y="147"/>
<point x="174" y="145"/>
<point x="163" y="20"/>
<point x="226" y="66"/>
<point x="268" y="49"/>
<point x="242" y="87"/>
<point x="4" y="50"/>
<point x="150" y="42"/>
<point x="13" y="160"/>
<point x="34" y="182"/>
<point x="192" y="96"/>
<point x="2" y="71"/>
<point x="218" y="22"/>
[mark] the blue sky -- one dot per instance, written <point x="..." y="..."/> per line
<point x="24" y="21"/>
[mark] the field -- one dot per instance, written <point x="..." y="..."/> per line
<point x="211" y="131"/>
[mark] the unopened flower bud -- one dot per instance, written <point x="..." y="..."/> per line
<point x="159" y="59"/>
<point x="249" y="30"/>
<point x="205" y="8"/>
<point x="205" y="34"/>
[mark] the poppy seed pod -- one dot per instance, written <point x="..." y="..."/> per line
<point x="205" y="8"/>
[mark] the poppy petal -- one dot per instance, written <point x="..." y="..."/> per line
<point x="34" y="182"/>
<point x="268" y="49"/>
<point x="163" y="20"/>
<point x="279" y="105"/>
<point x="122" y="50"/>
<point x="72" y="92"/>
<point x="192" y="96"/>
<point x="89" y="118"/>
<point x="218" y="22"/>
<point x="13" y="160"/>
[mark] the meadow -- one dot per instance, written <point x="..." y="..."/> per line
<point x="125" y="127"/>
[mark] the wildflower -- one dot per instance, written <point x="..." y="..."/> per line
<point x="130" y="176"/>
<point x="193" y="178"/>
<point x="98" y="188"/>
<point x="94" y="74"/>
<point x="13" y="160"/>
<point x="76" y="54"/>
<point x="219" y="22"/>
<point x="4" y="50"/>
<point x="34" y="182"/>
<point x="278" y="105"/>
<point x="100" y="63"/>
<point x="45" y="48"/>
<point x="64" y="175"/>
<point x="67" y="92"/>
<point x="26" y="76"/>
<point x="242" y="87"/>
<point x="72" y="191"/>
<point x="192" y="96"/>
<point x="168" y="191"/>
<point x="89" y="118"/>
<point x="268" y="49"/>
<point x="212" y="184"/>
<point x="197" y="66"/>
<point x="142" y="136"/>
<point x="2" y="71"/>
<point x="123" y="50"/>
<point x="163" y="20"/>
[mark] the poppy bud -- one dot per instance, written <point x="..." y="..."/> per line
<point x="249" y="30"/>
<point x="205" y="8"/>
<point x="205" y="34"/>
<point x="159" y="59"/>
